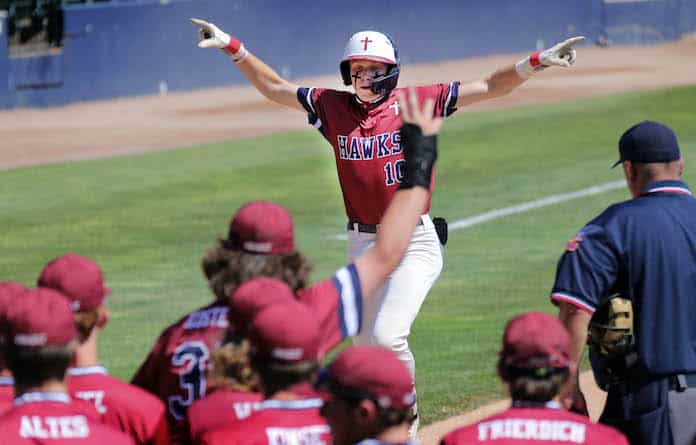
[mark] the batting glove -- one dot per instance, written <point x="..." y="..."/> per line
<point x="210" y="36"/>
<point x="562" y="54"/>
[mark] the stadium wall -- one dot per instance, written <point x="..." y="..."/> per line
<point x="135" y="47"/>
<point x="4" y="64"/>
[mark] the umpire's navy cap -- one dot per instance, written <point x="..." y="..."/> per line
<point x="648" y="141"/>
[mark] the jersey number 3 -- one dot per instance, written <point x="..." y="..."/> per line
<point x="193" y="356"/>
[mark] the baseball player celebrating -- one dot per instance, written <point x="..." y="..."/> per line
<point x="535" y="363"/>
<point x="363" y="130"/>
<point x="261" y="243"/>
<point x="122" y="406"/>
<point x="40" y="339"/>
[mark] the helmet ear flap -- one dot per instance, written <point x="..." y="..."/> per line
<point x="345" y="72"/>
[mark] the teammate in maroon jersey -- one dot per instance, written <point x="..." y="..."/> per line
<point x="121" y="405"/>
<point x="9" y="290"/>
<point x="285" y="341"/>
<point x="367" y="396"/>
<point x="235" y="402"/>
<point x="261" y="243"/>
<point x="534" y="363"/>
<point x="237" y="396"/>
<point x="235" y="392"/>
<point x="363" y="130"/>
<point x="40" y="339"/>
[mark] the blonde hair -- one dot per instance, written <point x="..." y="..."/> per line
<point x="85" y="322"/>
<point x="231" y="367"/>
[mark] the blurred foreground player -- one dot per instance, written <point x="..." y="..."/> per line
<point x="535" y="363"/>
<point x="367" y="396"/>
<point x="40" y="340"/>
<point x="121" y="405"/>
<point x="9" y="290"/>
<point x="261" y="243"/>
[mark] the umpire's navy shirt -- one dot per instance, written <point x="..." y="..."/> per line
<point x="645" y="249"/>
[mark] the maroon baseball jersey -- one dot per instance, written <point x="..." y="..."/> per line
<point x="223" y="406"/>
<point x="6" y="394"/>
<point x="535" y="425"/>
<point x="278" y="422"/>
<point x="337" y="302"/>
<point x="176" y="369"/>
<point x="52" y="418"/>
<point x="367" y="144"/>
<point x="124" y="407"/>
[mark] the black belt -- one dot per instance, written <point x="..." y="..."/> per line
<point x="680" y="382"/>
<point x="369" y="228"/>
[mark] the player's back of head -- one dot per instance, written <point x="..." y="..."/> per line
<point x="40" y="337"/>
<point x="285" y="342"/>
<point x="81" y="281"/>
<point x="535" y="356"/>
<point x="260" y="242"/>
<point x="367" y="392"/>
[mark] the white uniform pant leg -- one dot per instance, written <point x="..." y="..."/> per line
<point x="388" y="317"/>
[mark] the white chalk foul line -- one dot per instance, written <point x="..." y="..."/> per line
<point x="525" y="206"/>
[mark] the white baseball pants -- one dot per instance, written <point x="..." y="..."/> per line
<point x="388" y="318"/>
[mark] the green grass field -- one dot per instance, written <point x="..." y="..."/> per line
<point x="148" y="219"/>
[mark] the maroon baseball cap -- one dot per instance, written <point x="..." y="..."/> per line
<point x="8" y="291"/>
<point x="536" y="340"/>
<point x="77" y="277"/>
<point x="285" y="333"/>
<point x="261" y="227"/>
<point x="40" y="317"/>
<point x="254" y="296"/>
<point x="368" y="372"/>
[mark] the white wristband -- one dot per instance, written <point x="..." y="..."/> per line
<point x="528" y="66"/>
<point x="240" y="55"/>
<point x="524" y="68"/>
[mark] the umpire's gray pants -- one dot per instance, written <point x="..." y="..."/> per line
<point x="682" y="416"/>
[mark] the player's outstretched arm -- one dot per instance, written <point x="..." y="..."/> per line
<point x="263" y="77"/>
<point x="507" y="79"/>
<point x="418" y="139"/>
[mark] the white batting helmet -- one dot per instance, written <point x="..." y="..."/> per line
<point x="372" y="45"/>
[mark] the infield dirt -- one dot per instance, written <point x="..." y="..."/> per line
<point x="130" y="125"/>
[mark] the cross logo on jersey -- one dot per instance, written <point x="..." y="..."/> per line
<point x="395" y="106"/>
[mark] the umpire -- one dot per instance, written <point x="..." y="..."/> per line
<point x="642" y="344"/>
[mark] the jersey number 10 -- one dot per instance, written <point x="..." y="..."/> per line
<point x="394" y="172"/>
